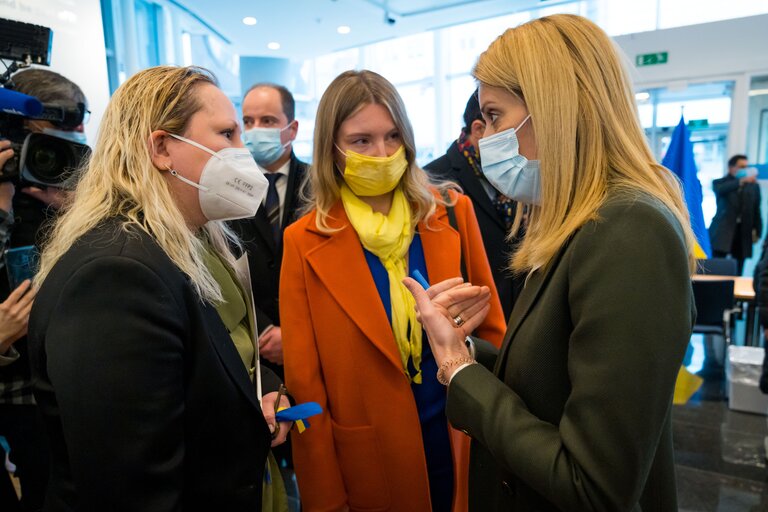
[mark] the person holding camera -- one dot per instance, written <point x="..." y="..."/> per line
<point x="30" y="208"/>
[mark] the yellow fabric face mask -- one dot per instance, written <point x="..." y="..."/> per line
<point x="374" y="175"/>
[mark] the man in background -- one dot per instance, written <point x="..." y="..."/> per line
<point x="495" y="212"/>
<point x="738" y="223"/>
<point x="270" y="127"/>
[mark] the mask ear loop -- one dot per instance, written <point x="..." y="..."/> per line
<point x="176" y="174"/>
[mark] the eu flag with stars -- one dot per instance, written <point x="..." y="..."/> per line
<point x="679" y="160"/>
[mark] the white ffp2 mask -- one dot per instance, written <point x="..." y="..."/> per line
<point x="231" y="184"/>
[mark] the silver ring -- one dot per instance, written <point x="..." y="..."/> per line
<point x="458" y="320"/>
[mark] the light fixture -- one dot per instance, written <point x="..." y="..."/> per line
<point x="250" y="20"/>
<point x="758" y="92"/>
<point x="344" y="29"/>
<point x="642" y="96"/>
<point x="273" y="46"/>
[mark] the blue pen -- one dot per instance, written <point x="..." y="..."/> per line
<point x="420" y="278"/>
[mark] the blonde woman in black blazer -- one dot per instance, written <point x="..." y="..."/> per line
<point x="144" y="390"/>
<point x="575" y="415"/>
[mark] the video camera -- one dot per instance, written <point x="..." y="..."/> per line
<point x="39" y="158"/>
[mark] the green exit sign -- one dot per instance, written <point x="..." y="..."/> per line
<point x="698" y="123"/>
<point x="651" y="59"/>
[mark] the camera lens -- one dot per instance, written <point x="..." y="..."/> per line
<point x="51" y="162"/>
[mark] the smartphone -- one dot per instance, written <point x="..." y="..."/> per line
<point x="20" y="264"/>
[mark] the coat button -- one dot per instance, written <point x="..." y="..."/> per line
<point x="508" y="488"/>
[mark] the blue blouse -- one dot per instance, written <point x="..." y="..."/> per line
<point x="429" y="395"/>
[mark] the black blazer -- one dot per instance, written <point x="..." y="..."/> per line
<point x="734" y="201"/>
<point x="146" y="401"/>
<point x="264" y="257"/>
<point x="452" y="166"/>
<point x="577" y="414"/>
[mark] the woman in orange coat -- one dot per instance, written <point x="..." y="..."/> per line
<point x="352" y="341"/>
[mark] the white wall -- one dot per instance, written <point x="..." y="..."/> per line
<point x="78" y="45"/>
<point x="724" y="50"/>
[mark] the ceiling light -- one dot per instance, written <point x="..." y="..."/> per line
<point x="758" y="92"/>
<point x="273" y="46"/>
<point x="642" y="96"/>
<point x="344" y="29"/>
<point x="250" y="20"/>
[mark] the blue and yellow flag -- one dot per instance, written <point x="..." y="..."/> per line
<point x="679" y="160"/>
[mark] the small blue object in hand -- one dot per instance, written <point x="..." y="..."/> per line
<point x="420" y="278"/>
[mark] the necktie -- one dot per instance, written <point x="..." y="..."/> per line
<point x="272" y="204"/>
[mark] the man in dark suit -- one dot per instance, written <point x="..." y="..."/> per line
<point x="270" y="128"/>
<point x="495" y="212"/>
<point x="738" y="222"/>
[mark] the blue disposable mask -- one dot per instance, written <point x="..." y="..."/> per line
<point x="76" y="137"/>
<point x="264" y="144"/>
<point x="507" y="170"/>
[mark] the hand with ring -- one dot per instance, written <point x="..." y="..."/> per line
<point x="449" y="311"/>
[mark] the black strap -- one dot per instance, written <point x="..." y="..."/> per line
<point x="455" y="225"/>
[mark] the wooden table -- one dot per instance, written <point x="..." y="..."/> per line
<point x="742" y="286"/>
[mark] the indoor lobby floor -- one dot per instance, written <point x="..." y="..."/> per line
<point x="720" y="454"/>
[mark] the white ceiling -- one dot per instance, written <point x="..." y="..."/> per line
<point x="307" y="28"/>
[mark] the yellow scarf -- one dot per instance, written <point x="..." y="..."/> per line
<point x="389" y="237"/>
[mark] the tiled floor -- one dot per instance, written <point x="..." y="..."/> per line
<point x="720" y="454"/>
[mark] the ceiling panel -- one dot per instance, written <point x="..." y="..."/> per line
<point x="307" y="28"/>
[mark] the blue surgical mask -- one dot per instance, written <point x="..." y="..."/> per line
<point x="76" y="137"/>
<point x="507" y="170"/>
<point x="264" y="144"/>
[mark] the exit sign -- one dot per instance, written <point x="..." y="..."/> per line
<point x="651" y="59"/>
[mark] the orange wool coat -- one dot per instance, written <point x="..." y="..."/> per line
<point x="365" y="451"/>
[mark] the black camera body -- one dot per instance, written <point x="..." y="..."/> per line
<point x="39" y="159"/>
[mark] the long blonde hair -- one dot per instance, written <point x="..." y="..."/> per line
<point x="589" y="140"/>
<point x="121" y="181"/>
<point x="345" y="96"/>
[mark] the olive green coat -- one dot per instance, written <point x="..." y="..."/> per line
<point x="577" y="413"/>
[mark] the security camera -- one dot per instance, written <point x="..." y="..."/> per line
<point x="388" y="19"/>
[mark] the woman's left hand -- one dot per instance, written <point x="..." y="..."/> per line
<point x="449" y="311"/>
<point x="268" y="409"/>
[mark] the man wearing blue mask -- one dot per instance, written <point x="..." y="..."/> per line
<point x="32" y="208"/>
<point x="269" y="129"/>
<point x="738" y="223"/>
<point x="495" y="211"/>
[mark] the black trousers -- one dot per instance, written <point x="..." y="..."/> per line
<point x="737" y="251"/>
<point x="22" y="426"/>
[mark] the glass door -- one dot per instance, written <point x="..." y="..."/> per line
<point x="707" y="111"/>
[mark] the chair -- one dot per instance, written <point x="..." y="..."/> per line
<point x="715" y="304"/>
<point x="717" y="267"/>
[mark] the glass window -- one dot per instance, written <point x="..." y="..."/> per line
<point x="405" y="59"/>
<point x="459" y="90"/>
<point x="465" y="43"/>
<point x="707" y="110"/>
<point x="677" y="13"/>
<point x="419" y="101"/>
<point x="618" y="18"/>
<point x="757" y="122"/>
<point x="328" y="67"/>
<point x="148" y="17"/>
